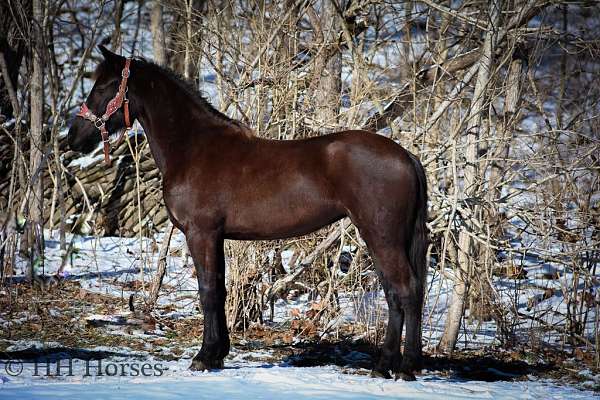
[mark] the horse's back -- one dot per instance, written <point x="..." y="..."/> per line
<point x="340" y="166"/>
<point x="351" y="148"/>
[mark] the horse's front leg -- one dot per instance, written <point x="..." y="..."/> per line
<point x="207" y="252"/>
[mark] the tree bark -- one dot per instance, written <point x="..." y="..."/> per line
<point x="36" y="198"/>
<point x="8" y="84"/>
<point x="13" y="48"/>
<point x="161" y="268"/>
<point x="115" y="40"/>
<point x="467" y="250"/>
<point x="511" y="103"/>
<point x="187" y="59"/>
<point x="157" y="27"/>
<point x="327" y="83"/>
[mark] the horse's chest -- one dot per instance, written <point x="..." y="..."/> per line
<point x="188" y="205"/>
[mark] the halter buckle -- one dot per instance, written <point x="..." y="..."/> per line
<point x="99" y="123"/>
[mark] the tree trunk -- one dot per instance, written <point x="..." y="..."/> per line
<point x="161" y="268"/>
<point x="511" y="103"/>
<point x="36" y="198"/>
<point x="327" y="84"/>
<point x="8" y="83"/>
<point x="187" y="60"/>
<point x="116" y="40"/>
<point x="13" y="48"/>
<point x="157" y="27"/>
<point x="440" y="56"/>
<point x="467" y="247"/>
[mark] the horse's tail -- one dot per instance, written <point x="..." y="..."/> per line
<point x="417" y="249"/>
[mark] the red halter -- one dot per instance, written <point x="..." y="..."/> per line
<point x="116" y="102"/>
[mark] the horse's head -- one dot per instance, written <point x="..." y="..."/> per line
<point x="84" y="134"/>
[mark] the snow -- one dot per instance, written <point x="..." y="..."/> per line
<point x="107" y="265"/>
<point x="85" y="161"/>
<point x="112" y="265"/>
<point x="278" y="382"/>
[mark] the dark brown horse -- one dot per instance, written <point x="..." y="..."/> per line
<point x="222" y="182"/>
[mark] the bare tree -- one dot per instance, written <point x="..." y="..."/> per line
<point x="159" y="45"/>
<point x="472" y="182"/>
<point x="116" y="37"/>
<point x="36" y="200"/>
<point x="327" y="65"/>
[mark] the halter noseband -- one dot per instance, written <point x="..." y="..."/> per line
<point x="113" y="105"/>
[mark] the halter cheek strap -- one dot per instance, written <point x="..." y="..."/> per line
<point x="113" y="105"/>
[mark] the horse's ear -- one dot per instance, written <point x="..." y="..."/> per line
<point x="113" y="60"/>
<point x="106" y="53"/>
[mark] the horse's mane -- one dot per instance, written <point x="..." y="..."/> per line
<point x="189" y="88"/>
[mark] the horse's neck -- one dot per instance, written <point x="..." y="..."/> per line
<point x="171" y="119"/>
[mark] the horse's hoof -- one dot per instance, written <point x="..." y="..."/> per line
<point x="380" y="374"/>
<point x="199" y="365"/>
<point x="405" y="376"/>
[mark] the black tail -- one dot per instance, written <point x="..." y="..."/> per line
<point x="417" y="253"/>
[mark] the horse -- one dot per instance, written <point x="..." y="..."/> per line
<point x="221" y="181"/>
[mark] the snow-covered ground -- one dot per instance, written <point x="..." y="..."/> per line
<point x="246" y="377"/>
<point x="274" y="382"/>
<point x="109" y="266"/>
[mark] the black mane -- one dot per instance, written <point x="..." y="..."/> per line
<point x="188" y="87"/>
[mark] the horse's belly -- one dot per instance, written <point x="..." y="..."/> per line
<point x="270" y="220"/>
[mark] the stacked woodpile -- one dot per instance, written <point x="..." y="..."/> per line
<point x="6" y="161"/>
<point x="97" y="196"/>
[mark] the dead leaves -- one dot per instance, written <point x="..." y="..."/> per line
<point x="305" y="324"/>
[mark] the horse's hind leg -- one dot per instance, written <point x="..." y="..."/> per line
<point x="390" y="358"/>
<point x="404" y="297"/>
<point x="407" y="292"/>
<point x="412" y="359"/>
<point x="207" y="252"/>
